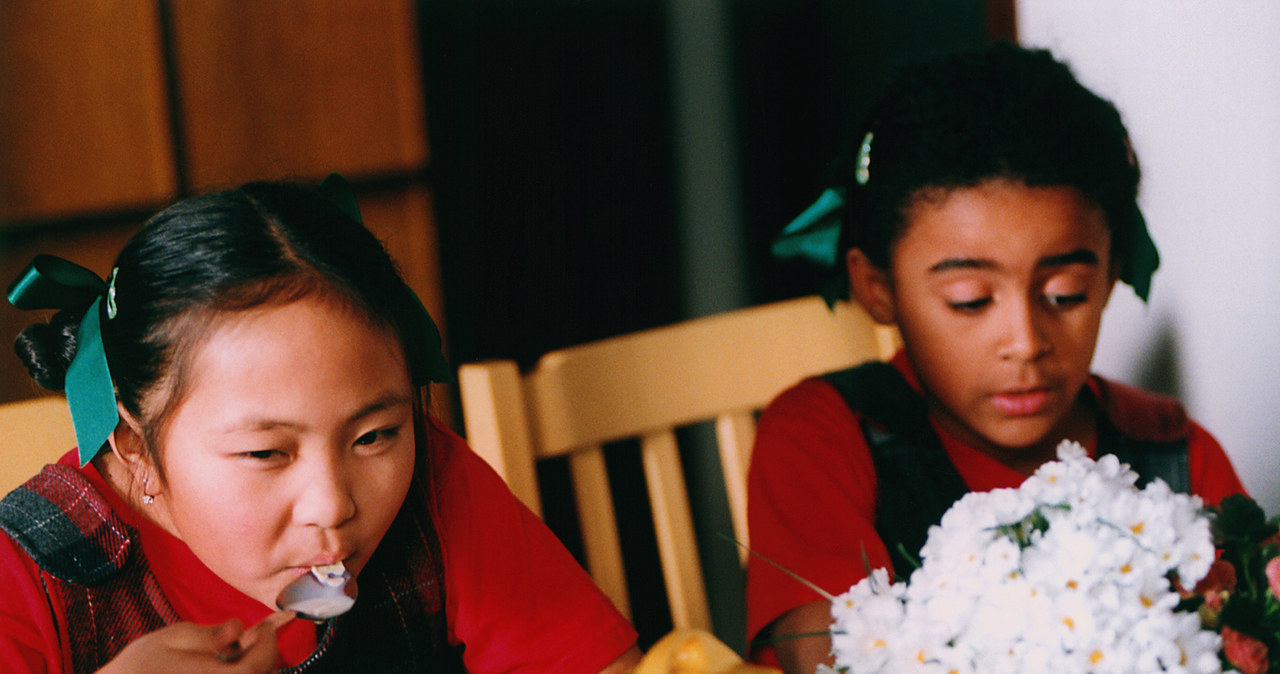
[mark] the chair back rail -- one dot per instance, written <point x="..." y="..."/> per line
<point x="32" y="433"/>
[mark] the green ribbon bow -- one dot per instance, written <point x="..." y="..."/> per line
<point x="424" y="336"/>
<point x="815" y="236"/>
<point x="50" y="282"/>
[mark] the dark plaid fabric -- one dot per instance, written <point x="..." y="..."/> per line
<point x="93" y="562"/>
<point x="61" y="521"/>
<point x="916" y="481"/>
<point x="91" y="559"/>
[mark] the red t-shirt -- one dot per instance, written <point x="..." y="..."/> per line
<point x="515" y="598"/>
<point x="811" y="493"/>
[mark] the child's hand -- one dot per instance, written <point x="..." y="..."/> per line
<point x="188" y="647"/>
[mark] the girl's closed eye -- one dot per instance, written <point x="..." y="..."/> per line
<point x="966" y="296"/>
<point x="263" y="454"/>
<point x="380" y="437"/>
<point x="1064" y="291"/>
<point x="1066" y="301"/>
<point x="972" y="306"/>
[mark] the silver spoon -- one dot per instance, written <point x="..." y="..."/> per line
<point x="326" y="592"/>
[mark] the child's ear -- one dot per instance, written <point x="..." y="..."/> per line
<point x="128" y="445"/>
<point x="871" y="286"/>
<point x="126" y="440"/>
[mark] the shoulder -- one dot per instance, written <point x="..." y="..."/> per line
<point x="61" y="519"/>
<point x="1149" y="416"/>
<point x="813" y="399"/>
<point x="32" y="615"/>
<point x="808" y="436"/>
<point x="1141" y="414"/>
<point x="458" y="475"/>
<point x="515" y="597"/>
<point x="829" y="408"/>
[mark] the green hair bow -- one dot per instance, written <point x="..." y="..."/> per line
<point x="50" y="282"/>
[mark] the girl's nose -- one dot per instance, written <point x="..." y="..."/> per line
<point x="325" y="499"/>
<point x="1023" y="337"/>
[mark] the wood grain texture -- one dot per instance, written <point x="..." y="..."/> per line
<point x="84" y="123"/>
<point x="297" y="88"/>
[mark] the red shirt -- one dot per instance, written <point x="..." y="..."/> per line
<point x="811" y="493"/>
<point x="515" y="598"/>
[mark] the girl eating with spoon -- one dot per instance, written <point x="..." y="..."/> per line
<point x="248" y="389"/>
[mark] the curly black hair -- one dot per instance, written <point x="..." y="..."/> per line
<point x="1001" y="112"/>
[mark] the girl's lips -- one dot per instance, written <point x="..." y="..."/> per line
<point x="1021" y="403"/>
<point x="325" y="560"/>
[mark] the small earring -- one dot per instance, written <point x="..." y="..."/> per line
<point x="147" y="499"/>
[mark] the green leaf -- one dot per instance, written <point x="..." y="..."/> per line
<point x="1240" y="519"/>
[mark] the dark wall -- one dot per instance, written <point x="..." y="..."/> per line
<point x="549" y="132"/>
<point x="553" y="171"/>
<point x="552" y="164"/>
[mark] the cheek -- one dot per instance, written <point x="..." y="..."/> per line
<point x="220" y="506"/>
<point x="388" y="485"/>
<point x="379" y="486"/>
<point x="943" y="369"/>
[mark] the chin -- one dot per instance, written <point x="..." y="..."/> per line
<point x="1025" y="439"/>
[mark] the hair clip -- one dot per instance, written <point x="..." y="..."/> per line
<point x="862" y="171"/>
<point x="111" y="294"/>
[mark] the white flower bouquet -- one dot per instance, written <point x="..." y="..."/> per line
<point x="1075" y="571"/>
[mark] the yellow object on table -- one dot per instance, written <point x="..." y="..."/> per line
<point x="691" y="651"/>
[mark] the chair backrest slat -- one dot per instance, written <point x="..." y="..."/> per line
<point x="493" y="406"/>
<point x="597" y="518"/>
<point x="735" y="433"/>
<point x="673" y="526"/>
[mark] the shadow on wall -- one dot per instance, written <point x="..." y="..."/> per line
<point x="1158" y="368"/>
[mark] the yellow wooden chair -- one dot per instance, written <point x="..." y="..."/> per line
<point x="32" y="433"/>
<point x="645" y="385"/>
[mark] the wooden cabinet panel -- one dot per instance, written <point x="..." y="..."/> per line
<point x="297" y="88"/>
<point x="84" y="123"/>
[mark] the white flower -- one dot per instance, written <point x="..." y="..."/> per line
<point x="1069" y="572"/>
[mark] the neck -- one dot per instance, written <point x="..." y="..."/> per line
<point x="120" y="476"/>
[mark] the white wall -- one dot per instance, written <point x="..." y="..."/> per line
<point x="1198" y="84"/>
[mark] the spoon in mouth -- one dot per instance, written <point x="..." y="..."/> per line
<point x="326" y="592"/>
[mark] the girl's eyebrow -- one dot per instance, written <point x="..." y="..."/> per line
<point x="387" y="401"/>
<point x="1078" y="256"/>
<point x="258" y="424"/>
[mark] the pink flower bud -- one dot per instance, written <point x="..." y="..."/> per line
<point x="1247" y="654"/>
<point x="1273" y="576"/>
